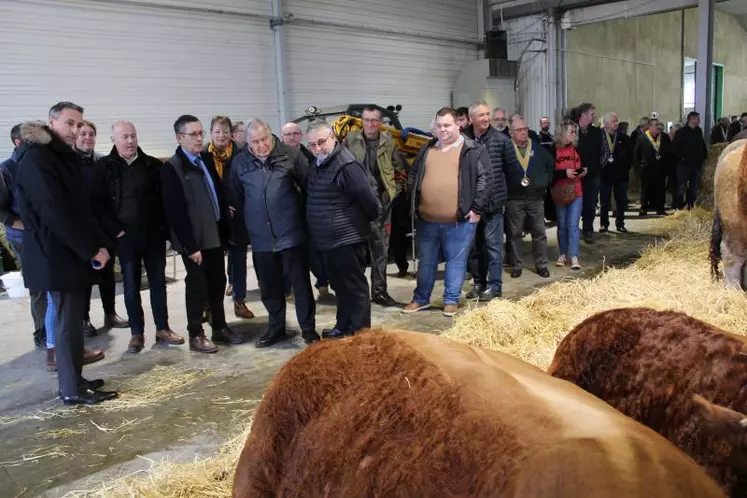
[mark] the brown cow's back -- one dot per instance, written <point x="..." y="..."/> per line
<point x="405" y="414"/>
<point x="648" y="364"/>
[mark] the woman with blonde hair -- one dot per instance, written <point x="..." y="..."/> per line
<point x="567" y="192"/>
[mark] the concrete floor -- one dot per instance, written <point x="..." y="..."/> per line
<point x="193" y="417"/>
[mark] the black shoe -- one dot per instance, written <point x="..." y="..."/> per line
<point x="88" y="329"/>
<point x="269" y="338"/>
<point x="310" y="337"/>
<point x="589" y="237"/>
<point x="604" y="230"/>
<point x="228" y="336"/>
<point x="475" y="292"/>
<point x="662" y="213"/>
<point x="91" y="385"/>
<point x="402" y="273"/>
<point x="384" y="299"/>
<point x="516" y="273"/>
<point x="642" y="213"/>
<point x="89" y="397"/>
<point x="622" y="229"/>
<point x="332" y="334"/>
<point x="40" y="340"/>
<point x="489" y="295"/>
<point x="115" y="321"/>
<point x="543" y="272"/>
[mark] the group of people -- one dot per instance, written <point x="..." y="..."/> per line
<point x="325" y="208"/>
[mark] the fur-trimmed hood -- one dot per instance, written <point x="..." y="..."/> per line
<point x="36" y="132"/>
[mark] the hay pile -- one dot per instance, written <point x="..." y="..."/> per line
<point x="673" y="275"/>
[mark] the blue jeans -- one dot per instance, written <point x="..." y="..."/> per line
<point x="455" y="239"/>
<point x="590" y="187"/>
<point x="236" y="271"/>
<point x="49" y="319"/>
<point x="568" y="232"/>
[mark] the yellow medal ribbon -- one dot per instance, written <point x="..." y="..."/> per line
<point x="610" y="142"/>
<point x="656" y="143"/>
<point x="524" y="158"/>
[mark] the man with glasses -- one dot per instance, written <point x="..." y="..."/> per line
<point x="529" y="172"/>
<point x="291" y="135"/>
<point x="340" y="207"/>
<point x="385" y="167"/>
<point x="198" y="215"/>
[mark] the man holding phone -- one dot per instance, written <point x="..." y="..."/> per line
<point x="61" y="240"/>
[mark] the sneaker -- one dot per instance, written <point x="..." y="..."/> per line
<point x="414" y="307"/>
<point x="575" y="265"/>
<point x="450" y="310"/>
<point x="561" y="261"/>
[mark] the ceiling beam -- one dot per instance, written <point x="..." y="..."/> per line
<point x="622" y="10"/>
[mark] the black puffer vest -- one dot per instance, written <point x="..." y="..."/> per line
<point x="333" y="219"/>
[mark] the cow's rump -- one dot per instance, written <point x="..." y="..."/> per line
<point x="405" y="414"/>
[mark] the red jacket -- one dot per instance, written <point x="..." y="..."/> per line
<point x="567" y="158"/>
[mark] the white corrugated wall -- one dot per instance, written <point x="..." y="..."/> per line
<point x="416" y="67"/>
<point x="527" y="43"/>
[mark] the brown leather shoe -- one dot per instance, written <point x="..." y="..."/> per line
<point x="169" y="337"/>
<point x="114" y="321"/>
<point x="137" y="343"/>
<point x="241" y="311"/>
<point x="200" y="344"/>
<point x="92" y="356"/>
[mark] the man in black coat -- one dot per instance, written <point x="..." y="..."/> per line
<point x="487" y="251"/>
<point x="652" y="156"/>
<point x="133" y="191"/>
<point x="590" y="149"/>
<point x="691" y="151"/>
<point x="341" y="204"/>
<point x="615" y="173"/>
<point x="198" y="216"/>
<point x="267" y="182"/>
<point x="61" y="240"/>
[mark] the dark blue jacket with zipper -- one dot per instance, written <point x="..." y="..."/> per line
<point x="270" y="196"/>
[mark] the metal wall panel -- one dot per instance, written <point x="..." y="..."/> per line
<point x="131" y="62"/>
<point x="333" y="67"/>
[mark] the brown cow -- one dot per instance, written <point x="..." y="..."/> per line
<point x="404" y="414"/>
<point x="650" y="364"/>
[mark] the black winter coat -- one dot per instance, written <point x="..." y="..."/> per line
<point x="644" y="156"/>
<point x="690" y="148"/>
<point x="60" y="235"/>
<point x="239" y="235"/>
<point x="590" y="149"/>
<point x="473" y="189"/>
<point x="496" y="144"/>
<point x="269" y="197"/>
<point x="541" y="173"/>
<point x="619" y="170"/>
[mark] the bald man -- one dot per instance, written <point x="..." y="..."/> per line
<point x="134" y="188"/>
<point x="291" y="135"/>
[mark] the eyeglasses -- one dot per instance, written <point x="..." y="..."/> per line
<point x="319" y="143"/>
<point x="372" y="121"/>
<point x="194" y="134"/>
<point x="519" y="130"/>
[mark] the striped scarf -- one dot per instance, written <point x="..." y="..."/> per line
<point x="221" y="158"/>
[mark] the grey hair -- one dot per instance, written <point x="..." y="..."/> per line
<point x="255" y="124"/>
<point x="513" y="118"/>
<point x="499" y="109"/>
<point x="476" y="104"/>
<point x="319" y="125"/>
<point x="608" y="117"/>
<point x="562" y="129"/>
<point x="55" y="110"/>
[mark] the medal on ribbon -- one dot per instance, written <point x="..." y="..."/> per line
<point x="524" y="160"/>
<point x="655" y="143"/>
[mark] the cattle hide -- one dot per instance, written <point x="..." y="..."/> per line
<point x="650" y="364"/>
<point x="401" y="414"/>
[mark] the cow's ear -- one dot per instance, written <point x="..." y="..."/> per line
<point x="721" y="420"/>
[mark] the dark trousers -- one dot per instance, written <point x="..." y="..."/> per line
<point x="38" y="298"/>
<point x="517" y="214"/>
<point x="205" y="283"/>
<point x="487" y="252"/>
<point x="550" y="213"/>
<point x="401" y="226"/>
<point x="590" y="187"/>
<point x="270" y="268"/>
<point x="107" y="287"/>
<point x="378" y="243"/>
<point x="620" y="189"/>
<point x="346" y="267"/>
<point x="68" y="330"/>
<point x="236" y="271"/>
<point x="688" y="180"/>
<point x="653" y="188"/>
<point x="133" y="249"/>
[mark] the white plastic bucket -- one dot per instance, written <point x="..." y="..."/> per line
<point x="13" y="283"/>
